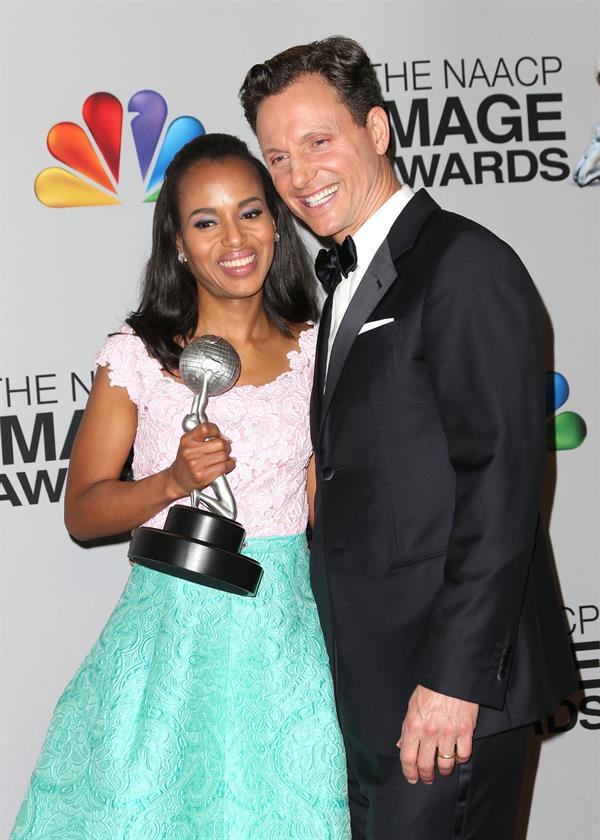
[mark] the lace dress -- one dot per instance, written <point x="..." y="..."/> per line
<point x="200" y="715"/>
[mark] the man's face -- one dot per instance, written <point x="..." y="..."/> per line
<point x="326" y="168"/>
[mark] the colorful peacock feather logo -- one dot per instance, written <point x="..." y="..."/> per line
<point x="566" y="430"/>
<point x="96" y="156"/>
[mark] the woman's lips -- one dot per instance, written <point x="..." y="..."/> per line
<point x="239" y="263"/>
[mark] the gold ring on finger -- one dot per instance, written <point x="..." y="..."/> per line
<point x="447" y="756"/>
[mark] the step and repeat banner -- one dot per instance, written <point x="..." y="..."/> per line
<point x="495" y="108"/>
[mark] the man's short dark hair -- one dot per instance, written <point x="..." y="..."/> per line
<point x="339" y="61"/>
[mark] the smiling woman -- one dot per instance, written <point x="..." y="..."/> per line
<point x="196" y="708"/>
<point x="215" y="186"/>
<point x="222" y="235"/>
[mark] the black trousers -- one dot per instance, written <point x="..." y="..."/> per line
<point x="479" y="801"/>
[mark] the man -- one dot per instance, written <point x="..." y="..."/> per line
<point x="428" y="566"/>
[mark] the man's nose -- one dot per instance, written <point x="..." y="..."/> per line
<point x="302" y="172"/>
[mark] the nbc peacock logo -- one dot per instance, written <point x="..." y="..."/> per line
<point x="94" y="155"/>
<point x="566" y="430"/>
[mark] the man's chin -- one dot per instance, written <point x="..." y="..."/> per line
<point x="326" y="229"/>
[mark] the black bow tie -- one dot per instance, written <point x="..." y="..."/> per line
<point x="339" y="258"/>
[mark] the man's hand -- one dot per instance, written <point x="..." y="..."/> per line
<point x="435" y="725"/>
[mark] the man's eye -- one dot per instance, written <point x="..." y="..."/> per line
<point x="277" y="159"/>
<point x="321" y="141"/>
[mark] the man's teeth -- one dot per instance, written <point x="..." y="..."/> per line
<point x="320" y="197"/>
<point x="238" y="263"/>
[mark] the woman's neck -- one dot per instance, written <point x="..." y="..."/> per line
<point x="238" y="321"/>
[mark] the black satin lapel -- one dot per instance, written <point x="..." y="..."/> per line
<point x="378" y="278"/>
<point x="316" y="397"/>
<point x="406" y="228"/>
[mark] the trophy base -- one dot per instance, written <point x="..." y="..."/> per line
<point x="198" y="546"/>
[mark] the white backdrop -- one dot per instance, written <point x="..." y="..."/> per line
<point x="70" y="275"/>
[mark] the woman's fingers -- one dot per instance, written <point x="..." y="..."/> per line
<point x="204" y="454"/>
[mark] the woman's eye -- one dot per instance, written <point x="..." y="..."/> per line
<point x="252" y="214"/>
<point x="203" y="223"/>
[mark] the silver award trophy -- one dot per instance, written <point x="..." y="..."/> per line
<point x="587" y="170"/>
<point x="197" y="545"/>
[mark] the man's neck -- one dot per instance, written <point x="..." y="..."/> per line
<point x="384" y="190"/>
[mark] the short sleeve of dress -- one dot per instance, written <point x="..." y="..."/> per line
<point x="304" y="361"/>
<point x="127" y="359"/>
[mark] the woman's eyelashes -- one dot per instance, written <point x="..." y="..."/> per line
<point x="252" y="213"/>
<point x="246" y="215"/>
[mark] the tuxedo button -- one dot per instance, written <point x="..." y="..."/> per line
<point x="327" y="473"/>
<point x="504" y="662"/>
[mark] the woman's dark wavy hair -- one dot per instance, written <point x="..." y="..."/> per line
<point x="168" y="310"/>
<point x="340" y="61"/>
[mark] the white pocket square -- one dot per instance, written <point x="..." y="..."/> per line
<point x="371" y="325"/>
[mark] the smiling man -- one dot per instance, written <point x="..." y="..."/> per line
<point x="429" y="568"/>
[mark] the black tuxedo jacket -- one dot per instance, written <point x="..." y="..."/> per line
<point x="428" y="564"/>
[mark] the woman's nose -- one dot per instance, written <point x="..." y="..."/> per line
<point x="233" y="234"/>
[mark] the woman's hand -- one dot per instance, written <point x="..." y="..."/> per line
<point x="203" y="455"/>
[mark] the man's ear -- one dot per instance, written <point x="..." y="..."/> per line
<point x="378" y="126"/>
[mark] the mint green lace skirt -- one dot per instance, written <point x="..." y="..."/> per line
<point x="198" y="715"/>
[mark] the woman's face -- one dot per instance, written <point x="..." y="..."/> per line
<point x="226" y="229"/>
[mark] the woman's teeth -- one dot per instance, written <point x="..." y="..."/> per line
<point x="239" y="263"/>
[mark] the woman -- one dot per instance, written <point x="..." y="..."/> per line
<point x="200" y="714"/>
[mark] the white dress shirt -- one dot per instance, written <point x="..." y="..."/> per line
<point x="367" y="239"/>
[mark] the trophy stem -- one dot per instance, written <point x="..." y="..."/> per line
<point x="201" y="400"/>
<point x="224" y="503"/>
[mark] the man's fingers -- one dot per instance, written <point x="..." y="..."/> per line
<point x="446" y="758"/>
<point x="409" y="751"/>
<point x="438" y="728"/>
<point x="464" y="747"/>
<point x="426" y="761"/>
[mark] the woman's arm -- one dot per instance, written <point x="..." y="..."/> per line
<point x="97" y="504"/>
<point x="311" y="486"/>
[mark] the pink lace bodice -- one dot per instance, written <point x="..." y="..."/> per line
<point x="267" y="424"/>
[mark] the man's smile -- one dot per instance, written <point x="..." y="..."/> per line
<point x="321" y="197"/>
